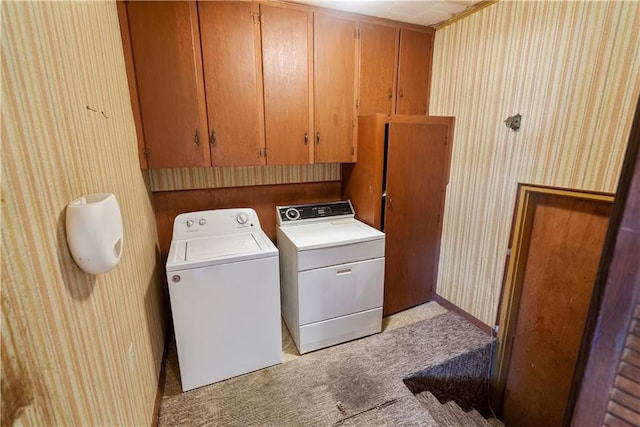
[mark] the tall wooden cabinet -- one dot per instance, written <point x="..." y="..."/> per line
<point x="398" y="185"/>
<point x="231" y="56"/>
<point x="165" y="43"/>
<point x="334" y="75"/>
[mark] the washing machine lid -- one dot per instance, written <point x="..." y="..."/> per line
<point x="219" y="249"/>
<point x="330" y="233"/>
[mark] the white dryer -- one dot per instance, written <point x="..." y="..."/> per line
<point x="223" y="278"/>
<point x="332" y="274"/>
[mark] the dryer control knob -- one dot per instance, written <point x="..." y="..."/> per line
<point x="175" y="278"/>
<point x="189" y="223"/>
<point x="242" y="218"/>
<point x="292" y="214"/>
<point x="202" y="221"/>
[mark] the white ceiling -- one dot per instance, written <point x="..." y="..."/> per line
<point x="421" y="12"/>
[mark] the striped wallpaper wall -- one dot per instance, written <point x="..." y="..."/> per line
<point x="572" y="69"/>
<point x="198" y="178"/>
<point x="67" y="130"/>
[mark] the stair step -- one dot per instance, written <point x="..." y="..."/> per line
<point x="463" y="379"/>
<point x="450" y="414"/>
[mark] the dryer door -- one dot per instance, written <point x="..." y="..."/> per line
<point x="340" y="290"/>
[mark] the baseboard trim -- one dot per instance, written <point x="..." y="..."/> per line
<point x="452" y="307"/>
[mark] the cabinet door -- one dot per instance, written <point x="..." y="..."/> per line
<point x="334" y="54"/>
<point x="166" y="50"/>
<point x="378" y="53"/>
<point x="414" y="72"/>
<point x="286" y="63"/>
<point x="231" y="56"/>
<point x="416" y="164"/>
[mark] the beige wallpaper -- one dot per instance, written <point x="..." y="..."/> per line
<point x="198" y="178"/>
<point x="572" y="69"/>
<point x="76" y="349"/>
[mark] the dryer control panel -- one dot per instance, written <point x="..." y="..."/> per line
<point x="314" y="212"/>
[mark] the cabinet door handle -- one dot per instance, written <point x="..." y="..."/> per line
<point x="389" y="93"/>
<point x="401" y="93"/>
<point x="196" y="137"/>
<point x="212" y="137"/>
<point x="318" y="137"/>
<point x="390" y="203"/>
<point x="306" y="138"/>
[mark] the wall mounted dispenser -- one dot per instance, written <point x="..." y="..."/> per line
<point x="94" y="232"/>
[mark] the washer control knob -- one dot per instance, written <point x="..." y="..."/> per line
<point x="292" y="214"/>
<point x="189" y="223"/>
<point x="242" y="218"/>
<point x="202" y="221"/>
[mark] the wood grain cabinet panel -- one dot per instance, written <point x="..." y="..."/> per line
<point x="414" y="72"/>
<point x="231" y="55"/>
<point x="165" y="43"/>
<point x="286" y="67"/>
<point x="378" y="67"/>
<point x="334" y="88"/>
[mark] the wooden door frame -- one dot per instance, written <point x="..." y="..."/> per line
<point x="513" y="279"/>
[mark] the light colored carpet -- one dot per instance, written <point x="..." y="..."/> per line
<point x="359" y="383"/>
<point x="170" y="381"/>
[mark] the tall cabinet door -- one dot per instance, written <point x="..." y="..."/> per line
<point x="166" y="48"/>
<point x="231" y="56"/>
<point x="378" y="53"/>
<point x="286" y="68"/>
<point x="414" y="72"/>
<point x="334" y="70"/>
<point x="415" y="184"/>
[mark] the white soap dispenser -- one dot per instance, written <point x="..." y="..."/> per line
<point x="94" y="232"/>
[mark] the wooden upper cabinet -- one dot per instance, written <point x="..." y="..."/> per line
<point x="239" y="83"/>
<point x="378" y="67"/>
<point x="286" y="68"/>
<point x="231" y="55"/>
<point x="414" y="71"/>
<point x="166" y="50"/>
<point x="334" y="72"/>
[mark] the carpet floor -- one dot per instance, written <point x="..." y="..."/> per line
<point x="359" y="383"/>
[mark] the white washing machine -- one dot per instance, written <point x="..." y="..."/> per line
<point x="223" y="278"/>
<point x="332" y="274"/>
